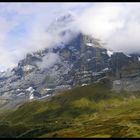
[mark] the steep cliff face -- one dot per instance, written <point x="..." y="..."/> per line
<point x="119" y="62"/>
<point x="81" y="61"/>
<point x="77" y="62"/>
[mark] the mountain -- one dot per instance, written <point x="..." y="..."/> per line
<point x="80" y="61"/>
<point x="76" y="88"/>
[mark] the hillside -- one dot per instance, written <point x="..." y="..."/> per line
<point x="88" y="111"/>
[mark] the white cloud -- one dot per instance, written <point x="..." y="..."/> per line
<point x="34" y="18"/>
<point x="117" y="24"/>
<point x="48" y="60"/>
<point x="100" y="20"/>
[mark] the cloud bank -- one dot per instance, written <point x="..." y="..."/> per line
<point x="116" y="24"/>
<point x="23" y="27"/>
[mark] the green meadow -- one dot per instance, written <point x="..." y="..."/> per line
<point x="89" y="111"/>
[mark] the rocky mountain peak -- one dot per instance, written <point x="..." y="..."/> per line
<point x="80" y="61"/>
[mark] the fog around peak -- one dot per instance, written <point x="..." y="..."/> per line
<point x="23" y="27"/>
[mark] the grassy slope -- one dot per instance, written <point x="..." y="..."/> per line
<point x="90" y="111"/>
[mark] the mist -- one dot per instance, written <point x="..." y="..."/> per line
<point x="115" y="24"/>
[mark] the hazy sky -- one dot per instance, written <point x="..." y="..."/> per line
<point x="23" y="26"/>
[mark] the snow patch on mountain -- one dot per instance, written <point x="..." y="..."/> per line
<point x="127" y="55"/>
<point x="105" y="69"/>
<point x="109" y="53"/>
<point x="139" y="58"/>
<point x="89" y="44"/>
<point x="27" y="68"/>
<point x="31" y="96"/>
<point x="21" y="94"/>
<point x="30" y="89"/>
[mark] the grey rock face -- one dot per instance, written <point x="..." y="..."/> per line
<point x="79" y="62"/>
<point x="129" y="84"/>
<point x="76" y="63"/>
<point x="119" y="61"/>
